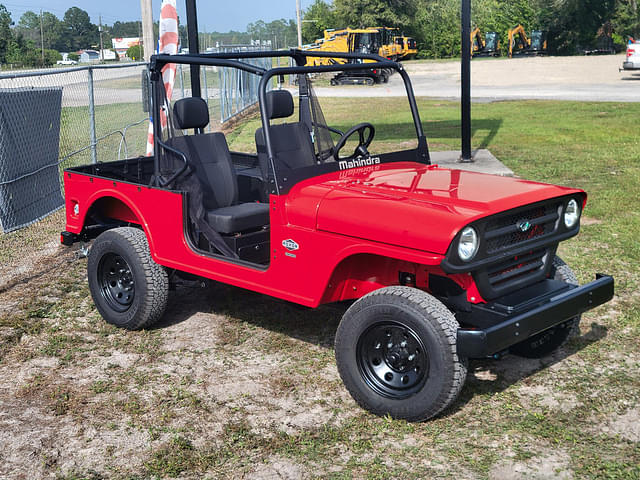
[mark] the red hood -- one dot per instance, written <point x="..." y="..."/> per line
<point x="408" y="204"/>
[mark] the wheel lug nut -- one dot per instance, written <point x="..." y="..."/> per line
<point x="411" y="357"/>
<point x="390" y="345"/>
<point x="403" y="344"/>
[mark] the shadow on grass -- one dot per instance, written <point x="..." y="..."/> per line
<point x="311" y="325"/>
<point x="318" y="326"/>
<point x="483" y="130"/>
<point x="512" y="369"/>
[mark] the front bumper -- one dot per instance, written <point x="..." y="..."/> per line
<point x="547" y="311"/>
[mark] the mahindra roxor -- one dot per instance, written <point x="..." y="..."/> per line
<point x="440" y="265"/>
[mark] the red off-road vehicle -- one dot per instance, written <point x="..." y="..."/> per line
<point x="444" y="265"/>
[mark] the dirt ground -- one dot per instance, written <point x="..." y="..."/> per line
<point x="232" y="384"/>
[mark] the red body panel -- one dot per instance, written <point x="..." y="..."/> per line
<point x="356" y="229"/>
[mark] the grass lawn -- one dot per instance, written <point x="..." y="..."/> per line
<point x="237" y="384"/>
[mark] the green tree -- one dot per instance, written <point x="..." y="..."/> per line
<point x="134" y="52"/>
<point x="439" y="32"/>
<point x="627" y="19"/>
<point x="574" y="23"/>
<point x="6" y="36"/>
<point x="79" y="31"/>
<point x="319" y="17"/>
<point x="282" y="33"/>
<point x="370" y="13"/>
<point x="125" y="29"/>
<point x="52" y="29"/>
<point x="29" y="26"/>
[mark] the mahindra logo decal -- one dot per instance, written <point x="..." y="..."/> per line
<point x="358" y="162"/>
<point x="290" y="245"/>
<point x="524" y="225"/>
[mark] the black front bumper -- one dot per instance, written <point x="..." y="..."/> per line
<point x="543" y="312"/>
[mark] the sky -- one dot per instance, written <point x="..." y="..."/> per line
<point x="213" y="15"/>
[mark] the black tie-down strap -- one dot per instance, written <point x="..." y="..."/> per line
<point x="197" y="213"/>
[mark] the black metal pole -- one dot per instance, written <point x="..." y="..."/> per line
<point x="194" y="47"/>
<point x="465" y="70"/>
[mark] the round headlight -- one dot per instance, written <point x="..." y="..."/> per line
<point x="468" y="244"/>
<point x="571" y="213"/>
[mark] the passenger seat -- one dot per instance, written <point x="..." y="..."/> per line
<point x="210" y="160"/>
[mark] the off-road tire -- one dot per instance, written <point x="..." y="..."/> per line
<point x="547" y="342"/>
<point x="128" y="248"/>
<point x="431" y="323"/>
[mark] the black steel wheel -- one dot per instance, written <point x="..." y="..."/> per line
<point x="128" y="288"/>
<point x="392" y="359"/>
<point x="117" y="285"/>
<point x="545" y="343"/>
<point x="396" y="354"/>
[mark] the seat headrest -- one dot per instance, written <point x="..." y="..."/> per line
<point x="279" y="104"/>
<point x="191" y="112"/>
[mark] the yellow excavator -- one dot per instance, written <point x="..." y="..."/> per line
<point x="482" y="48"/>
<point x="520" y="44"/>
<point x="388" y="47"/>
<point x="408" y="47"/>
<point x="353" y="40"/>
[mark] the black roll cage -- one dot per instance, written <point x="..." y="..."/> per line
<point x="234" y="60"/>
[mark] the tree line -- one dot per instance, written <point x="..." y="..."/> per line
<point x="435" y="24"/>
<point x="21" y="43"/>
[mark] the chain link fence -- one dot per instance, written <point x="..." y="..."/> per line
<point x="58" y="118"/>
<point x="50" y="120"/>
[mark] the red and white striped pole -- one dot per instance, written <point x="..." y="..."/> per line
<point x="168" y="45"/>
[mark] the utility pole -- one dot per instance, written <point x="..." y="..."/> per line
<point x="147" y="29"/>
<point x="299" y="17"/>
<point x="42" y="37"/>
<point x="100" y="32"/>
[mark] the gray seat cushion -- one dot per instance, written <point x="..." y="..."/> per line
<point x="237" y="218"/>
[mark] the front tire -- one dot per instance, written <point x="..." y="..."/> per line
<point x="128" y="288"/>
<point x="545" y="343"/>
<point x="396" y="353"/>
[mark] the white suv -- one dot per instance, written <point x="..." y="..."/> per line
<point x="632" y="61"/>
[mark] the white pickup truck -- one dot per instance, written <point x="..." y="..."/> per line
<point x="632" y="62"/>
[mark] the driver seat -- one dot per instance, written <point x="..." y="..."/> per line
<point x="291" y="142"/>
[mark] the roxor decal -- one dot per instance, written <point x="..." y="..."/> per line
<point x="358" y="162"/>
<point x="290" y="245"/>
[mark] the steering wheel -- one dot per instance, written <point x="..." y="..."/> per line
<point x="361" y="149"/>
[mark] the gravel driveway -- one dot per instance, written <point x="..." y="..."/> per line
<point x="582" y="78"/>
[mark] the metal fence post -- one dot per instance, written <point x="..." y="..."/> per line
<point x="92" y="118"/>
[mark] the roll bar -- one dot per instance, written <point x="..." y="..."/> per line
<point x="235" y="60"/>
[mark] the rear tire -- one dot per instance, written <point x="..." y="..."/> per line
<point x="396" y="354"/>
<point x="128" y="288"/>
<point x="547" y="342"/>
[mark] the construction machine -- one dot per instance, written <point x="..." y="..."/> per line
<point x="361" y="40"/>
<point x="408" y="47"/>
<point x="389" y="49"/>
<point x="520" y="44"/>
<point x="485" y="48"/>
